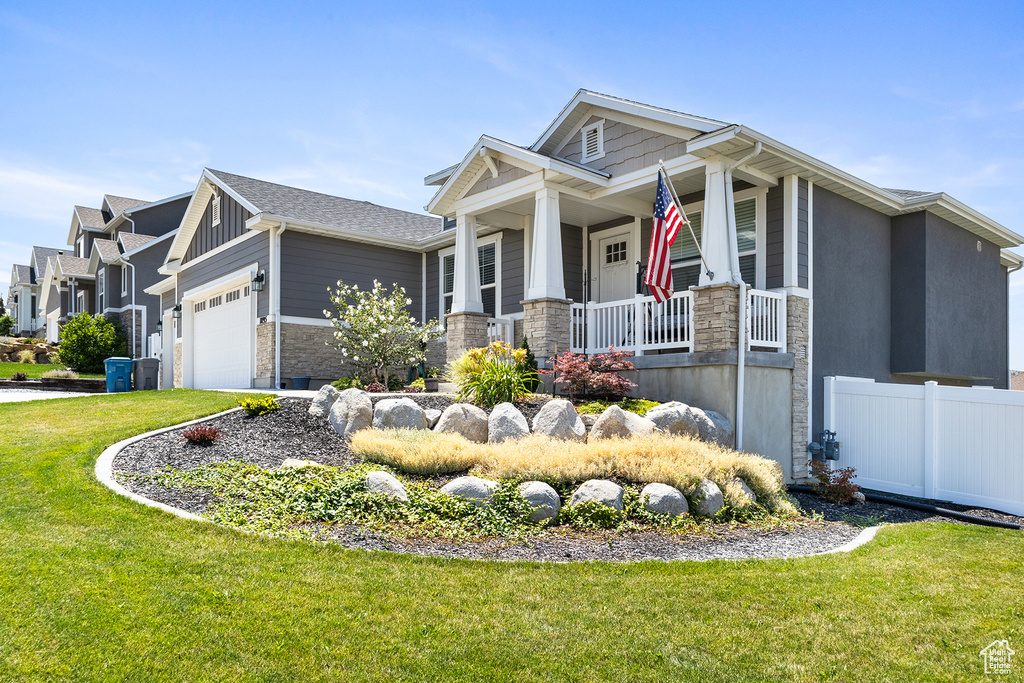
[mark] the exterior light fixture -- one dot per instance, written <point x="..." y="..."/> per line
<point x="176" y="312"/>
<point x="259" y="281"/>
<point x="159" y="325"/>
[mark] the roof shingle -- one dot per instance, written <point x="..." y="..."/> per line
<point x="119" y="204"/>
<point x="108" y="249"/>
<point x="22" y="274"/>
<point x="133" y="241"/>
<point x="72" y="265"/>
<point x="91" y="218"/>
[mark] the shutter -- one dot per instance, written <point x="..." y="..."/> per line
<point x="448" y="279"/>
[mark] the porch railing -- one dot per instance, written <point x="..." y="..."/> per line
<point x="766" y="319"/>
<point x="500" y="329"/>
<point x="639" y="325"/>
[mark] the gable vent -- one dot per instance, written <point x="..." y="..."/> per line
<point x="216" y="211"/>
<point x="593" y="141"/>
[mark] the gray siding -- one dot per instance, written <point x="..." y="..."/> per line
<point x="161" y="219"/>
<point x="774" y="238"/>
<point x="433" y="285"/>
<point x="312" y="263"/>
<point x="512" y="271"/>
<point x="146" y="263"/>
<point x="208" y="236"/>
<point x="506" y="174"/>
<point x="626" y="147"/>
<point x="237" y="257"/>
<point x="851" y="294"/>
<point x="112" y="285"/>
<point x="572" y="261"/>
<point x="801" y="254"/>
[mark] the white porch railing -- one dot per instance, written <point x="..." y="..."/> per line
<point x="641" y="325"/>
<point x="638" y="325"/>
<point x="766" y="319"/>
<point x="500" y="329"/>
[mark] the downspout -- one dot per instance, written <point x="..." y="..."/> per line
<point x="275" y="297"/>
<point x="132" y="266"/>
<point x="737" y="279"/>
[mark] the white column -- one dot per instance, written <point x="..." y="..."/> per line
<point x="466" y="294"/>
<point x="715" y="225"/>
<point x="790" y="231"/>
<point x="546" y="277"/>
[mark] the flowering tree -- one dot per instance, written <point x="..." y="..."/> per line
<point x="374" y="330"/>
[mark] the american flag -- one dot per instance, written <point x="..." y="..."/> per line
<point x="667" y="221"/>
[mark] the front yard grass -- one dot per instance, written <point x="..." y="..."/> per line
<point x="34" y="370"/>
<point x="96" y="587"/>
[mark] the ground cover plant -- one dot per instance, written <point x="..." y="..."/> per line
<point x="640" y="406"/>
<point x="35" y="371"/>
<point x="98" y="587"/>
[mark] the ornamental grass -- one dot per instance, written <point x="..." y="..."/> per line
<point x="417" y="451"/>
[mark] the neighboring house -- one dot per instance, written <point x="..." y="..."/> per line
<point x="124" y="259"/>
<point x="23" y="295"/>
<point x="840" y="277"/>
<point x="248" y="272"/>
<point x="64" y="291"/>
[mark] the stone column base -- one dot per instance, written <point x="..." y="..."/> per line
<point x="716" y="310"/>
<point x="546" y="325"/>
<point x="797" y="340"/>
<point x="465" y="331"/>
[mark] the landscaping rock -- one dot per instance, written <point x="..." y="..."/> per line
<point x="473" y="489"/>
<point x="322" y="402"/>
<point x="601" y="490"/>
<point x="707" y="499"/>
<point x="399" y="413"/>
<point x="617" y="422"/>
<point x="859" y="498"/>
<point x="559" y="420"/>
<point x="352" y="411"/>
<point x="675" y="418"/>
<point x="662" y="499"/>
<point x="723" y="429"/>
<point x="542" y="498"/>
<point x="464" y="419"/>
<point x="747" y="496"/>
<point x="386" y="484"/>
<point x="589" y="420"/>
<point x="433" y="415"/>
<point x="295" y="462"/>
<point x="506" y="422"/>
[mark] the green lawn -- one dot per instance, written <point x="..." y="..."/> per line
<point x="33" y="370"/>
<point x="96" y="587"/>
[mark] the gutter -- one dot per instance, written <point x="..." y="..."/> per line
<point x="132" y="266"/>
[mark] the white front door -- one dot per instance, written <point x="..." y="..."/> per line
<point x="222" y="325"/>
<point x="614" y="263"/>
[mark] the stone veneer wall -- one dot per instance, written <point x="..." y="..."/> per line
<point x="465" y="331"/>
<point x="437" y="354"/>
<point x="797" y="336"/>
<point x="177" y="364"/>
<point x="125" y="320"/>
<point x="546" y="325"/>
<point x="716" y="311"/>
<point x="264" y="356"/>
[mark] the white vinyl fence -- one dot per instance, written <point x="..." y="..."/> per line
<point x="961" y="444"/>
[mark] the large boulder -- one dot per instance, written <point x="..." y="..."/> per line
<point x="600" y="490"/>
<point x="506" y="422"/>
<point x="662" y="499"/>
<point x="322" y="402"/>
<point x="589" y="420"/>
<point x="399" y="413"/>
<point x="352" y="411"/>
<point x="621" y="423"/>
<point x="706" y="498"/>
<point x="675" y="418"/>
<point x="743" y="495"/>
<point x="723" y="429"/>
<point x="433" y="415"/>
<point x="543" y="499"/>
<point x="559" y="420"/>
<point x="473" y="489"/>
<point x="386" y="484"/>
<point x="464" y="419"/>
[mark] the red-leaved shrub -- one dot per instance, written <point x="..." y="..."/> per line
<point x="201" y="435"/>
<point x="835" y="486"/>
<point x="597" y="376"/>
<point x="376" y="388"/>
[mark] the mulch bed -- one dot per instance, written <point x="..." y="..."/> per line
<point x="291" y="432"/>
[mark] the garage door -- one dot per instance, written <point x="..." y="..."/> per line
<point x="222" y="348"/>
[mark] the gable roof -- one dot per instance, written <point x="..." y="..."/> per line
<point x="273" y="203"/>
<point x="72" y="266"/>
<point x="108" y="251"/>
<point x="131" y="241"/>
<point x="21" y="274"/>
<point x="121" y="204"/>
<point x="85" y="218"/>
<point x="40" y="255"/>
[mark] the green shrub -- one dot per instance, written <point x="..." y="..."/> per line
<point x="591" y="514"/>
<point x="418" y="383"/>
<point x="26" y="356"/>
<point x="86" y="341"/>
<point x="640" y="406"/>
<point x="494" y="374"/>
<point x="530" y="361"/>
<point x="6" y="325"/>
<point x="254" y="406"/>
<point x="347" y="383"/>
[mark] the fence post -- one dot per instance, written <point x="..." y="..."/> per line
<point x="638" y="326"/>
<point x="929" y="438"/>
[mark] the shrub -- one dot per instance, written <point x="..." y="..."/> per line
<point x="413" y="390"/>
<point x="254" y="406"/>
<point x="347" y="383"/>
<point x="395" y="383"/>
<point x="60" y="374"/>
<point x="464" y="366"/>
<point x="530" y="361"/>
<point x="87" y="340"/>
<point x="640" y="406"/>
<point x="19" y="377"/>
<point x="26" y="356"/>
<point x="499" y="373"/>
<point x="591" y="515"/>
<point x="418" y="383"/>
<point x="7" y="324"/>
<point x="835" y="486"/>
<point x="419" y="451"/>
<point x="376" y="388"/>
<point x="597" y="375"/>
<point x="434" y="372"/>
<point x="201" y="435"/>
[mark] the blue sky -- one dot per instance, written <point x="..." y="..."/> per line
<point x="135" y="99"/>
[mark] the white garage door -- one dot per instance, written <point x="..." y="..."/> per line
<point x="222" y="349"/>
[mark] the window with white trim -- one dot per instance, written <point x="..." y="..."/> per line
<point x="101" y="290"/>
<point x="216" y="211"/>
<point x="80" y="247"/>
<point x="686" y="266"/>
<point x="593" y="141"/>
<point x="81" y="303"/>
<point x="490" y="268"/>
<point x="124" y="280"/>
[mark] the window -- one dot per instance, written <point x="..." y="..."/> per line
<point x="447" y="283"/>
<point x="81" y="303"/>
<point x="215" y="301"/>
<point x="615" y="253"/>
<point x="216" y="211"/>
<point x="686" y="266"/>
<point x="80" y="247"/>
<point x="101" y="290"/>
<point x="124" y="280"/>
<point x="233" y="296"/>
<point x="487" y="255"/>
<point x="199" y="307"/>
<point x="593" y="141"/>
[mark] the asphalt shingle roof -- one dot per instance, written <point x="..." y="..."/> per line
<point x="109" y="250"/>
<point x="132" y="240"/>
<point x="350" y="214"/>
<point x="40" y="255"/>
<point x="72" y="265"/>
<point x="907" y="194"/>
<point x="119" y="204"/>
<point x="22" y="273"/>
<point x="91" y="218"/>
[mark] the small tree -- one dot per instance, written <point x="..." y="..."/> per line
<point x="3" y="309"/>
<point x="530" y="362"/>
<point x="86" y="341"/>
<point x="6" y="325"/>
<point x="599" y="374"/>
<point x="374" y="330"/>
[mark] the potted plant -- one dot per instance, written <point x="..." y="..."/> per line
<point x="431" y="380"/>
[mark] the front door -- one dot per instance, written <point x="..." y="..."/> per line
<point x="614" y="263"/>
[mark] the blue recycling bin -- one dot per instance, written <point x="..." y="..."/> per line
<point x="119" y="374"/>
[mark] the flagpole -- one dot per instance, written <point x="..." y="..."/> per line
<point x="686" y="219"/>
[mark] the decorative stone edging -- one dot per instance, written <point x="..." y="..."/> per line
<point x="104" y="470"/>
